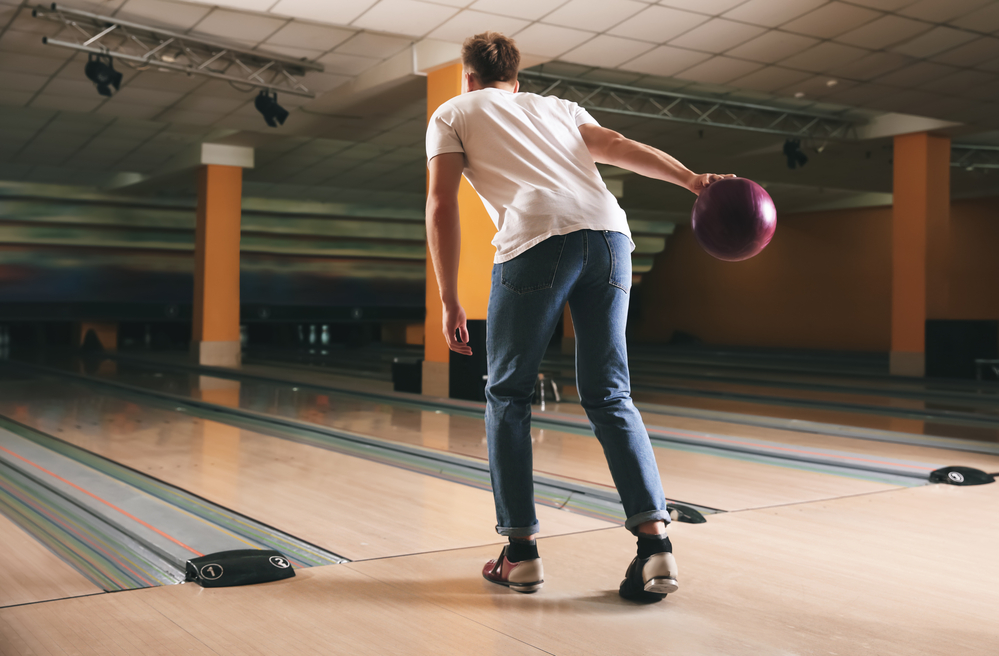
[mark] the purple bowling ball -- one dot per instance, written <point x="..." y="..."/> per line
<point x="734" y="219"/>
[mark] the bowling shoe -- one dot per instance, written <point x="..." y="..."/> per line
<point x="650" y="579"/>
<point x="523" y="576"/>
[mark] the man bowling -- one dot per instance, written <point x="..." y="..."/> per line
<point x="561" y="237"/>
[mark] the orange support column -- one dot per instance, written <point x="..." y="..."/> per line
<point x="920" y="246"/>
<point x="475" y="269"/>
<point x="215" y="335"/>
<point x="568" y="332"/>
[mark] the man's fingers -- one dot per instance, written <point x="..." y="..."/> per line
<point x="463" y="333"/>
<point x="455" y="345"/>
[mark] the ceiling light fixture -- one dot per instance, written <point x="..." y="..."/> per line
<point x="831" y="83"/>
<point x="273" y="113"/>
<point x="799" y="94"/>
<point x="792" y="151"/>
<point x="100" y="71"/>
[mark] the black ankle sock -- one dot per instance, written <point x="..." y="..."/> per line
<point x="649" y="545"/>
<point x="521" y="550"/>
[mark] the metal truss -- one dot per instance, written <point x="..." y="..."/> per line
<point x="973" y="156"/>
<point x="144" y="47"/>
<point x="671" y="106"/>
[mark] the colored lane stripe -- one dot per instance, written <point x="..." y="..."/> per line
<point x="105" y="502"/>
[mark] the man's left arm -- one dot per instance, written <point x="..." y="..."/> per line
<point x="444" y="241"/>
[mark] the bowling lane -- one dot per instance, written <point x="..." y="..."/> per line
<point x="724" y="482"/>
<point x="969" y="406"/>
<point x="826" y="416"/>
<point x="309" y="401"/>
<point x="30" y="573"/>
<point x="920" y="407"/>
<point x="351" y="506"/>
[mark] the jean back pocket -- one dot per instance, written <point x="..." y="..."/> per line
<point x="535" y="268"/>
<point x="620" y="259"/>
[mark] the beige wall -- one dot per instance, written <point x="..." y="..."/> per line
<point x="823" y="283"/>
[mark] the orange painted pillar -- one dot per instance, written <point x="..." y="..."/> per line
<point x="568" y="332"/>
<point x="477" y="251"/>
<point x="920" y="246"/>
<point x="215" y="334"/>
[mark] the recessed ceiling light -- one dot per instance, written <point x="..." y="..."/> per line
<point x="800" y="94"/>
<point x="831" y="83"/>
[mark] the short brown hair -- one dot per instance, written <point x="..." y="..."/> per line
<point x="491" y="56"/>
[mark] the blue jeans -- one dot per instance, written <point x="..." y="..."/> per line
<point x="592" y="271"/>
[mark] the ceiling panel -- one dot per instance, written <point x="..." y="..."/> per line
<point x="159" y="80"/>
<point x="607" y="51"/>
<point x="209" y="104"/>
<point x="128" y="110"/>
<point x="823" y="57"/>
<point x="916" y="74"/>
<point x="410" y="17"/>
<point x="717" y="35"/>
<point x="658" y="24"/>
<point x="247" y="5"/>
<point x="379" y="46"/>
<point x="885" y="5"/>
<point x="338" y="12"/>
<point x="883" y="32"/>
<point x="985" y="19"/>
<point x="903" y="100"/>
<point x="711" y="7"/>
<point x="772" y="46"/>
<point x="25" y="22"/>
<point x="719" y="70"/>
<point x="971" y="54"/>
<point x="961" y="82"/>
<point x="307" y="35"/>
<point x="16" y="98"/>
<point x="66" y="103"/>
<point x="179" y="17"/>
<point x="666" y="61"/>
<point x="21" y="82"/>
<point x="342" y="64"/>
<point x="860" y="95"/>
<point x="936" y="11"/>
<point x="935" y="41"/>
<point x="469" y="22"/>
<point x="310" y="54"/>
<point x="30" y="64"/>
<point x="78" y="86"/>
<point x="234" y="25"/>
<point x="871" y="66"/>
<point x="595" y="15"/>
<point x="831" y="20"/>
<point x="30" y="43"/>
<point x="139" y="96"/>
<point x="526" y="9"/>
<point x="770" y="78"/>
<point x="816" y="87"/>
<point x="549" y="40"/>
<point x="771" y="13"/>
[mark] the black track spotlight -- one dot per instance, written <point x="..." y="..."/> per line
<point x="792" y="151"/>
<point x="273" y="113"/>
<point x="100" y="71"/>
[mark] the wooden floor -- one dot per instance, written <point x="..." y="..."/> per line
<point x="803" y="562"/>
<point x="900" y="572"/>
<point x="29" y="573"/>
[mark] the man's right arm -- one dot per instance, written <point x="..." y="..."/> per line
<point x="610" y="147"/>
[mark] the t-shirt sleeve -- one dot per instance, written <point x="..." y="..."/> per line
<point x="582" y="116"/>
<point x="442" y="136"/>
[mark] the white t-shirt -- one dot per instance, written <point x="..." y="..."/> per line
<point x="525" y="157"/>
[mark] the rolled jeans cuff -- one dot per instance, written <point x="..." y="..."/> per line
<point x="651" y="516"/>
<point x="518" y="532"/>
